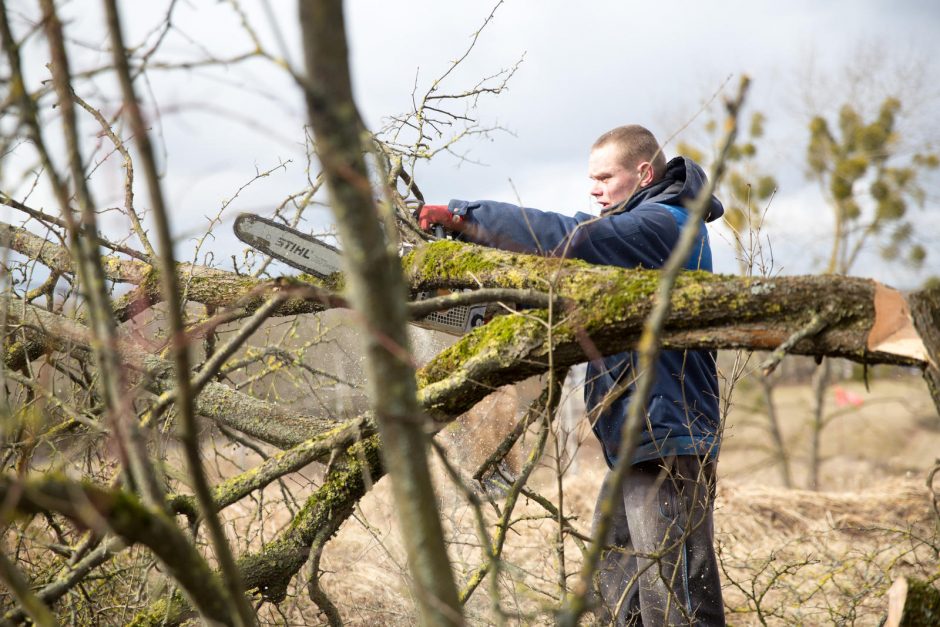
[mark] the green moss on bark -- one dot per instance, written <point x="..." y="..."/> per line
<point x="166" y="611"/>
<point x="271" y="570"/>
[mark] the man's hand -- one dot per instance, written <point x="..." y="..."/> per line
<point x="439" y="214"/>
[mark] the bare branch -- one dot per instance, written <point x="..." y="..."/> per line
<point x="376" y="286"/>
<point x="123" y="513"/>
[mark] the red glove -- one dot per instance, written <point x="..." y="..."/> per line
<point x="439" y="214"/>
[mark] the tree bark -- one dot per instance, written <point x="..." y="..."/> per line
<point x="377" y="290"/>
<point x="925" y="311"/>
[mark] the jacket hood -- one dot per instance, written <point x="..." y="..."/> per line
<point x="682" y="182"/>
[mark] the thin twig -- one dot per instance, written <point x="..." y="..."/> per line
<point x="486" y="542"/>
<point x="817" y="323"/>
<point x="73" y="576"/>
<point x="45" y="218"/>
<point x="548" y="403"/>
<point x="128" y="174"/>
<point x="218" y="359"/>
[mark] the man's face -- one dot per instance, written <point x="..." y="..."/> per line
<point x="612" y="181"/>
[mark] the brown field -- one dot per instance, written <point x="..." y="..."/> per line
<point x="789" y="556"/>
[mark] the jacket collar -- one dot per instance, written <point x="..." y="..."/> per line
<point x="681" y="183"/>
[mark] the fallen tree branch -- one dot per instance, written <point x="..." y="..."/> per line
<point x="219" y="289"/>
<point x="291" y="460"/>
<point x="46" y="218"/>
<point x="508" y="349"/>
<point x="270" y="570"/>
<point x="609" y="304"/>
<point x="122" y="512"/>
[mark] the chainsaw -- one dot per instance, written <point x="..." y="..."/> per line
<point x="313" y="256"/>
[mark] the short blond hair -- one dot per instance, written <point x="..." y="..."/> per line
<point x="636" y="144"/>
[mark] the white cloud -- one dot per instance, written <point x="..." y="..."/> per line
<point x="588" y="67"/>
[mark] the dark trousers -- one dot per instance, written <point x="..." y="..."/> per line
<point x="660" y="567"/>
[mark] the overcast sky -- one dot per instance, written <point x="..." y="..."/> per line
<point x="587" y="67"/>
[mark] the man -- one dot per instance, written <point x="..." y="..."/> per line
<point x="660" y="567"/>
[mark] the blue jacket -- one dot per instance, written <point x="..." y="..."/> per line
<point x="683" y="414"/>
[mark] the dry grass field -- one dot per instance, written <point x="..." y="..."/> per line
<point x="789" y="556"/>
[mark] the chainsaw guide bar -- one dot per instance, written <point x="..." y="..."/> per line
<point x="313" y="256"/>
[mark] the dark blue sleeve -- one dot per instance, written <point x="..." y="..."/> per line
<point x="642" y="237"/>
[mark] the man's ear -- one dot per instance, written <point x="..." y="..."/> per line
<point x="645" y="171"/>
